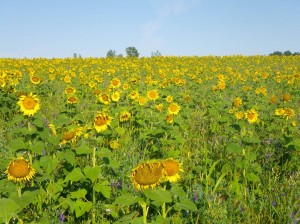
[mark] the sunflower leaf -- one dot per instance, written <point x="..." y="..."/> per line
<point x="8" y="209"/>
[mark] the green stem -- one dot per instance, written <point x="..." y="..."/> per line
<point x="19" y="190"/>
<point x="94" y="193"/>
<point x="145" y="211"/>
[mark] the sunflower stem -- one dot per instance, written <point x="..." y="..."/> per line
<point x="94" y="193"/>
<point x="19" y="190"/>
<point x="145" y="211"/>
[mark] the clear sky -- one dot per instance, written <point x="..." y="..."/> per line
<point x="60" y="28"/>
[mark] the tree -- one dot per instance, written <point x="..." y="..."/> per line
<point x="155" y="53"/>
<point x="74" y="55"/>
<point x="279" y="53"/>
<point x="111" y="54"/>
<point x="296" y="53"/>
<point x="287" y="53"/>
<point x="132" y="52"/>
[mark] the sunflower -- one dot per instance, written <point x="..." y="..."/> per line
<point x="70" y="90"/>
<point x="169" y="99"/>
<point x="71" y="136"/>
<point x="20" y="170"/>
<point x="67" y="79"/>
<point x="170" y="118"/>
<point x="171" y="170"/>
<point x="101" y="121"/>
<point x="142" y="100"/>
<point x="125" y="86"/>
<point x="29" y="105"/>
<point x="124" y="116"/>
<point x="174" y="109"/>
<point x="159" y="107"/>
<point x="273" y="99"/>
<point x="286" y="97"/>
<point x="251" y="116"/>
<point x="221" y="85"/>
<point x="35" y="79"/>
<point x="147" y="174"/>
<point x="115" y="83"/>
<point x="114" y="144"/>
<point x="134" y="95"/>
<point x="279" y="112"/>
<point x="104" y="98"/>
<point x="152" y="94"/>
<point x="72" y="100"/>
<point x="288" y="113"/>
<point x="239" y="115"/>
<point x="53" y="130"/>
<point x="115" y="96"/>
<point x="237" y="102"/>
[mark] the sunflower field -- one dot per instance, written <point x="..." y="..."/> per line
<point x="150" y="140"/>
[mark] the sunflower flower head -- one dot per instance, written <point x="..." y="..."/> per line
<point x="20" y="170"/>
<point x="102" y="121"/>
<point x="251" y="116"/>
<point x="147" y="174"/>
<point x="124" y="116"/>
<point x="171" y="170"/>
<point x="29" y="105"/>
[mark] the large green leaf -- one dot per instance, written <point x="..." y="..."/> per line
<point x="159" y="195"/>
<point x="92" y="173"/>
<point x="9" y="209"/>
<point x="75" y="175"/>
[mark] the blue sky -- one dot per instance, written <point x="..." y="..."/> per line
<point x="59" y="28"/>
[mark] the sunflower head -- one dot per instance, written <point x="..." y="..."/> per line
<point x="102" y="121"/>
<point x="286" y="97"/>
<point x="20" y="170"/>
<point x="124" y="116"/>
<point x="251" y="116"/>
<point x="174" y="109"/>
<point x="147" y="174"/>
<point x="152" y="94"/>
<point x="29" y="104"/>
<point x="171" y="170"/>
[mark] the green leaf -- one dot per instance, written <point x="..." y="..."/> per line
<point x="18" y="144"/>
<point x="62" y="120"/>
<point x="27" y="198"/>
<point x="159" y="195"/>
<point x="252" y="177"/>
<point x="104" y="152"/>
<point x="84" y="149"/>
<point x="226" y="168"/>
<point x="82" y="207"/>
<point x="178" y="191"/>
<point x="251" y="140"/>
<point x="126" y="200"/>
<point x="234" y="148"/>
<point x="104" y="188"/>
<point x="49" y="163"/>
<point x="54" y="188"/>
<point x="37" y="147"/>
<point x="8" y="209"/>
<point x="185" y="204"/>
<point x="92" y="173"/>
<point x="75" y="175"/>
<point x="78" y="194"/>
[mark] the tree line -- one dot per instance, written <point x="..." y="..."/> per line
<point x="285" y="53"/>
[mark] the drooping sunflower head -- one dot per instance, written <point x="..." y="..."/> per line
<point x="29" y="104"/>
<point x="102" y="121"/>
<point x="174" y="108"/>
<point x="124" y="116"/>
<point x="147" y="174"/>
<point x="171" y="170"/>
<point x="104" y="98"/>
<point x="71" y="135"/>
<point x="20" y="170"/>
<point x="286" y="97"/>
